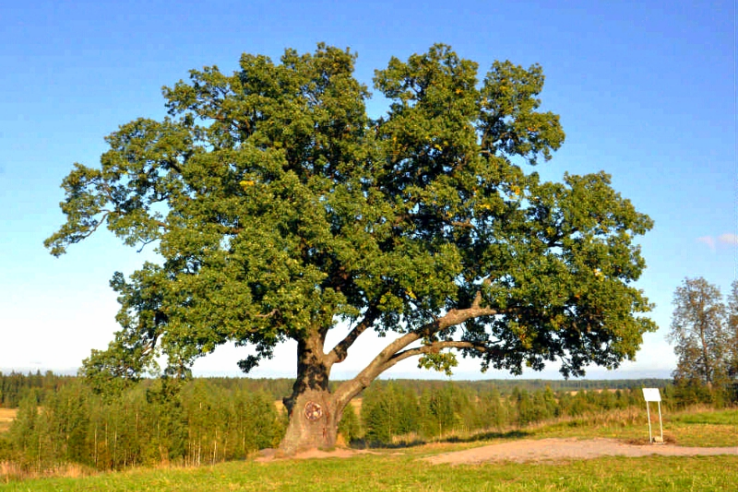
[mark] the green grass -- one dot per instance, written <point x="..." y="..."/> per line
<point x="723" y="417"/>
<point x="403" y="472"/>
<point x="706" y="428"/>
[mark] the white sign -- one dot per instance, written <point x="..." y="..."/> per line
<point x="651" y="394"/>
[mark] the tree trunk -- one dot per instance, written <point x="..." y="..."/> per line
<point x="314" y="413"/>
<point x="313" y="422"/>
<point x="705" y="356"/>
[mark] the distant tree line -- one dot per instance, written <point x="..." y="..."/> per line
<point x="16" y="386"/>
<point x="507" y="386"/>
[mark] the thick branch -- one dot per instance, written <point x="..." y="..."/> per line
<point x="379" y="364"/>
<point x="339" y="352"/>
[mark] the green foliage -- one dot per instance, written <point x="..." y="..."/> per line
<point x="196" y="423"/>
<point x="387" y="411"/>
<point x="685" y="393"/>
<point x="21" y="433"/>
<point x="349" y="426"/>
<point x="493" y="410"/>
<point x="279" y="208"/>
<point x="443" y="410"/>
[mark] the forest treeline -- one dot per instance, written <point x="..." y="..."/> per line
<point x="15" y="386"/>
<point x="62" y="420"/>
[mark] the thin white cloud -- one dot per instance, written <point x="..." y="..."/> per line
<point x="708" y="240"/>
<point x="728" y="238"/>
<point x="713" y="242"/>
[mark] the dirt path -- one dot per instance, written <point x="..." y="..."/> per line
<point x="565" y="449"/>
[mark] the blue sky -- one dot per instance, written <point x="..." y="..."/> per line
<point x="645" y="90"/>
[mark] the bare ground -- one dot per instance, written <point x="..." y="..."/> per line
<point x="562" y="449"/>
<point x="266" y="455"/>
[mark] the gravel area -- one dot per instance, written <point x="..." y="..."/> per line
<point x="567" y="449"/>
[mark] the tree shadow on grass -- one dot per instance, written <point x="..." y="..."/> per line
<point x="489" y="436"/>
<point x="483" y="436"/>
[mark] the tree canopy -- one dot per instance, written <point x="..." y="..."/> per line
<point x="281" y="209"/>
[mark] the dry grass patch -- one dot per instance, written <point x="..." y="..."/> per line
<point x="10" y="472"/>
<point x="7" y="415"/>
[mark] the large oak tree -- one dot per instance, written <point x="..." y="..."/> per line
<point x="280" y="209"/>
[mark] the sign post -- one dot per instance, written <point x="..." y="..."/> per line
<point x="652" y="394"/>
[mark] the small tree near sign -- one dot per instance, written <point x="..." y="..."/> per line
<point x="652" y="394"/>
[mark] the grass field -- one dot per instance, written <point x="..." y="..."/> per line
<point x="403" y="472"/>
<point x="401" y="469"/>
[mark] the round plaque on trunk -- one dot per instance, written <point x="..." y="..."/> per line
<point x="313" y="411"/>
